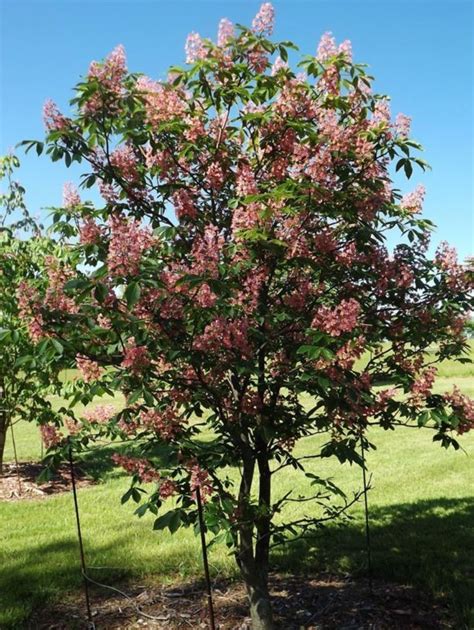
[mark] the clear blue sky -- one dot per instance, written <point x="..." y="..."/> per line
<point x="420" y="51"/>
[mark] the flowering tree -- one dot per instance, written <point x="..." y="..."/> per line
<point x="236" y="284"/>
<point x="28" y="371"/>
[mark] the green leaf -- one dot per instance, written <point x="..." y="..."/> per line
<point x="132" y="294"/>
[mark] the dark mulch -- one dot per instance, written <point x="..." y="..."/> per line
<point x="20" y="484"/>
<point x="325" y="602"/>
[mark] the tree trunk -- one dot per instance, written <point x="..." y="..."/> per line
<point x="253" y="559"/>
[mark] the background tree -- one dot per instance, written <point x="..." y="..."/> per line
<point x="236" y="284"/>
<point x="28" y="371"/>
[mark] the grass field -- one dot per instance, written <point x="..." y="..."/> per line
<point x="422" y="519"/>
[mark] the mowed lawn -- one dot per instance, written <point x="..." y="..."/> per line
<point x="421" y="511"/>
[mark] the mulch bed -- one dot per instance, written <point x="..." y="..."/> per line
<point x="21" y="484"/>
<point x="325" y="602"/>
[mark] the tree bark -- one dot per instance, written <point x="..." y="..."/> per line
<point x="253" y="559"/>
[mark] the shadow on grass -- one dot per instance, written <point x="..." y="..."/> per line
<point x="429" y="544"/>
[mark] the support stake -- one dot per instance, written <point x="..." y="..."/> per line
<point x="367" y="526"/>
<point x="15" y="455"/>
<point x="79" y="536"/>
<point x="204" y="559"/>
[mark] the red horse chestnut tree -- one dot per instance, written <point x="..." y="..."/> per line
<point x="236" y="283"/>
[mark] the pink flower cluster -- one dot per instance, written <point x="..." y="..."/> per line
<point x="135" y="357"/>
<point x="225" y="32"/>
<point x="124" y="160"/>
<point x="350" y="352"/>
<point x="215" y="176"/>
<point x="278" y="65"/>
<point x="421" y="387"/>
<point x="167" y="488"/>
<point x="335" y="321"/>
<point x="162" y="102"/>
<point x="89" y="232"/>
<point x="110" y="75"/>
<point x="264" y="20"/>
<point x="464" y="407"/>
<point x="52" y="117"/>
<point x="194" y="48"/>
<point x="100" y="414"/>
<point x="413" y="201"/>
<point x="206" y="252"/>
<point x="142" y="468"/>
<point x="29" y="309"/>
<point x="402" y="125"/>
<point x="205" y="297"/>
<point x="166" y="422"/>
<point x="199" y="478"/>
<point x="224" y="334"/>
<point x="327" y="48"/>
<point x="128" y="242"/>
<point x="50" y="435"/>
<point x="71" y="196"/>
<point x="90" y="370"/>
<point x="58" y="275"/>
<point x="184" y="205"/>
<point x="245" y="183"/>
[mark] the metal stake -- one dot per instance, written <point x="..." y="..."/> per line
<point x="204" y="559"/>
<point x="367" y="526"/>
<point x="15" y="455"/>
<point x="79" y="536"/>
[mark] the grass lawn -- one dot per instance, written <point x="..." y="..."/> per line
<point x="422" y="520"/>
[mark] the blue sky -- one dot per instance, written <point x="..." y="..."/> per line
<point x="420" y="51"/>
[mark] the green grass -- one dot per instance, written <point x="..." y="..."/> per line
<point x="422" y="523"/>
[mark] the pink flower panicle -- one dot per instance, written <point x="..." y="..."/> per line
<point x="110" y="75"/>
<point x="184" y="205"/>
<point x="167" y="488"/>
<point x="205" y="297"/>
<point x="199" y="478"/>
<point x="163" y="103"/>
<point x="166" y="423"/>
<point x="52" y="117"/>
<point x="335" y="321"/>
<point x="194" y="48"/>
<point x="215" y="176"/>
<point x="381" y="113"/>
<point x="90" y="370"/>
<point x="128" y="241"/>
<point x="222" y="334"/>
<point x="225" y="32"/>
<point x="413" y="201"/>
<point x="245" y="183"/>
<point x="421" y="387"/>
<point x="402" y="125"/>
<point x="278" y="65"/>
<point x="58" y="274"/>
<point x="446" y="257"/>
<point x="263" y="22"/>
<point x="100" y="414"/>
<point x="50" y="435"/>
<point x="463" y="406"/>
<point x="327" y="47"/>
<point x="142" y="468"/>
<point x="345" y="49"/>
<point x="135" y="357"/>
<point x="89" y="232"/>
<point x="71" y="197"/>
<point x="124" y="160"/>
